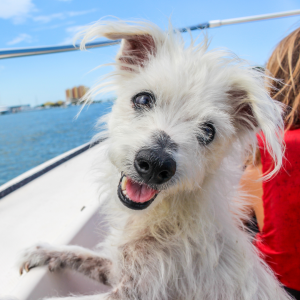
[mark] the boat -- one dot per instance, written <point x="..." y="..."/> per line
<point x="57" y="202"/>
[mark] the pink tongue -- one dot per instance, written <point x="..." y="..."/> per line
<point x="139" y="192"/>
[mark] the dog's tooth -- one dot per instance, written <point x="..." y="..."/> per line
<point x="124" y="182"/>
<point x="124" y="192"/>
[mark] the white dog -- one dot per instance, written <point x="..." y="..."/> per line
<point x="176" y="140"/>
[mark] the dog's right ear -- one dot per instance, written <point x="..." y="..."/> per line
<point x="139" y="42"/>
<point x="135" y="51"/>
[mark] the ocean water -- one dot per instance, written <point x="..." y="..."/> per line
<point x="30" y="138"/>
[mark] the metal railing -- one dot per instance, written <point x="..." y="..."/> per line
<point x="211" y="24"/>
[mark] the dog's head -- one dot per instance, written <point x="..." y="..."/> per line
<point x="179" y="111"/>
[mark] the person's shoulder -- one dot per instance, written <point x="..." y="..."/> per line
<point x="292" y="136"/>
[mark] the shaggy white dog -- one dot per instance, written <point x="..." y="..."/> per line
<point x="176" y="140"/>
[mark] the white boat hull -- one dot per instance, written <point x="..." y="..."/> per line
<point x="60" y="207"/>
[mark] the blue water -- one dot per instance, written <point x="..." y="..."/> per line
<point x="30" y="138"/>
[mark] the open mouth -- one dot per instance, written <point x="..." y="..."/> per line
<point x="135" y="195"/>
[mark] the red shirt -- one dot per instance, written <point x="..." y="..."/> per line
<point x="279" y="240"/>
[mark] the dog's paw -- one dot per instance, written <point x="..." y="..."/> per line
<point x="41" y="254"/>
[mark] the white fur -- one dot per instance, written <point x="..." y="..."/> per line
<point x="190" y="244"/>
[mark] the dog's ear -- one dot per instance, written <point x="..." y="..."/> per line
<point x="136" y="49"/>
<point x="139" y="41"/>
<point x="243" y="114"/>
<point x="255" y="112"/>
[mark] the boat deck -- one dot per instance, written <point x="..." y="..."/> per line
<point x="59" y="207"/>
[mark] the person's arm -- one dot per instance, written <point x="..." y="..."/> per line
<point x="253" y="187"/>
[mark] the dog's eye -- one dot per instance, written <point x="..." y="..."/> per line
<point x="207" y="134"/>
<point x="143" y="100"/>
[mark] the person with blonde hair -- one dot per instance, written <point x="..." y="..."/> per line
<point x="277" y="201"/>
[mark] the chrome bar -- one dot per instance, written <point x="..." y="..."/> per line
<point x="51" y="49"/>
<point x="215" y="23"/>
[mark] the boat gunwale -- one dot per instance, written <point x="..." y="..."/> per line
<point x="25" y="178"/>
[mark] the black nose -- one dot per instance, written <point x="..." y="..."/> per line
<point x="154" y="167"/>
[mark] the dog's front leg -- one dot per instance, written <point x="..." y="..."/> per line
<point x="75" y="258"/>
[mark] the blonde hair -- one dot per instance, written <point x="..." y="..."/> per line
<point x="284" y="67"/>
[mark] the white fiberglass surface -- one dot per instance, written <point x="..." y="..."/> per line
<point x="60" y="207"/>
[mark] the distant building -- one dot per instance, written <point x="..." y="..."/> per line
<point x="75" y="94"/>
<point x="68" y="95"/>
<point x="82" y="90"/>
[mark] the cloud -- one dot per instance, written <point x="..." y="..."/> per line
<point x="49" y="18"/>
<point x="54" y="26"/>
<point x="72" y="31"/>
<point x="76" y="29"/>
<point x="17" y="10"/>
<point x="23" y="37"/>
<point x="79" y="13"/>
<point x="62" y="16"/>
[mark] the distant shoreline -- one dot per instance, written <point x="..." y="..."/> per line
<point x="8" y="110"/>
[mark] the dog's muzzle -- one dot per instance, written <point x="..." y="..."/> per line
<point x="154" y="167"/>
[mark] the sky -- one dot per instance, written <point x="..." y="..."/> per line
<point x="31" y="23"/>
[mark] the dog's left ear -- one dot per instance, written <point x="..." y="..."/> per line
<point x="139" y="41"/>
<point x="243" y="112"/>
<point x="255" y="112"/>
